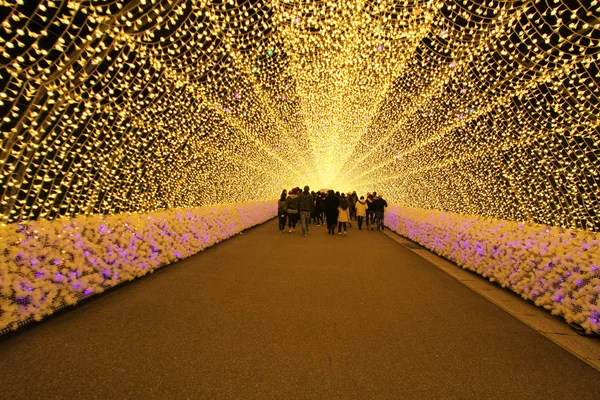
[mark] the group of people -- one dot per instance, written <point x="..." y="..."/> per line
<point x="339" y="210"/>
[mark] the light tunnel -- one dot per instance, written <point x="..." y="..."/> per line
<point x="476" y="111"/>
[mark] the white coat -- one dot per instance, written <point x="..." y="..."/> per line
<point x="361" y="208"/>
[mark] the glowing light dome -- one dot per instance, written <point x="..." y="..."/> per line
<point x="477" y="107"/>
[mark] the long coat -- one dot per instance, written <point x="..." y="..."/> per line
<point x="331" y="211"/>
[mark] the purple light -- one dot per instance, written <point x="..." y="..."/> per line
<point x="380" y="47"/>
<point x="558" y="298"/>
<point x="237" y="95"/>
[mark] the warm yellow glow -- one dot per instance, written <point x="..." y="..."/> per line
<point x="480" y="107"/>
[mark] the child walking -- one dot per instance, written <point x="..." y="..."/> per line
<point x="343" y="216"/>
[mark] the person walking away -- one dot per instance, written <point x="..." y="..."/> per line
<point x="380" y="204"/>
<point x="292" y="210"/>
<point x="331" y="204"/>
<point x="282" y="210"/>
<point x="361" y="211"/>
<point x="313" y="208"/>
<point x="343" y="214"/>
<point x="305" y="204"/>
<point x="370" y="211"/>
<point x="319" y="208"/>
<point x="350" y="208"/>
<point x="353" y="199"/>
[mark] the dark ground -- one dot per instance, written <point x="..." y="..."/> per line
<point x="279" y="316"/>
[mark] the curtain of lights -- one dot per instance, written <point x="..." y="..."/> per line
<point x="476" y="107"/>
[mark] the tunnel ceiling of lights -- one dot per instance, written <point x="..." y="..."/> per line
<point x="475" y="107"/>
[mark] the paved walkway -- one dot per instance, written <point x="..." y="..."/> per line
<point x="279" y="316"/>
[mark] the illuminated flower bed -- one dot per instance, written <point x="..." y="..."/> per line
<point x="558" y="269"/>
<point x="47" y="265"/>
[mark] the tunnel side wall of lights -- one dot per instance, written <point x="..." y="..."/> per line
<point x="556" y="268"/>
<point x="48" y="265"/>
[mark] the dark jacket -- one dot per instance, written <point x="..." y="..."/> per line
<point x="292" y="202"/>
<point x="320" y="205"/>
<point x="331" y="205"/>
<point x="282" y="207"/>
<point x="370" y="206"/>
<point x="305" y="201"/>
<point x="379" y="205"/>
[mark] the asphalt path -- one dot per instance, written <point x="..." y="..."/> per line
<point x="281" y="316"/>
